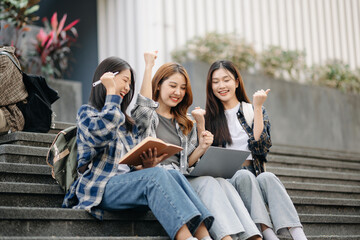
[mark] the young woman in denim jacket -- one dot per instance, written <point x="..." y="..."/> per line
<point x="167" y="120"/>
<point x="105" y="133"/>
<point x="225" y="99"/>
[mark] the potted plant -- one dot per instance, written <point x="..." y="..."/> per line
<point x="43" y="50"/>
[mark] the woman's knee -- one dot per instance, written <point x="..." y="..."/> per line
<point x="157" y="173"/>
<point x="175" y="173"/>
<point x="223" y="182"/>
<point x="268" y="178"/>
<point x="204" y="183"/>
<point x="243" y="177"/>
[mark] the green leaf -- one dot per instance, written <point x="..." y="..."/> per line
<point x="23" y="3"/>
<point x="32" y="9"/>
<point x="15" y="3"/>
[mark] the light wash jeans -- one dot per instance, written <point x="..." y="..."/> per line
<point x="223" y="201"/>
<point x="266" y="189"/>
<point x="166" y="192"/>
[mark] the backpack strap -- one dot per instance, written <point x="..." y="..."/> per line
<point x="248" y="112"/>
<point x="11" y="58"/>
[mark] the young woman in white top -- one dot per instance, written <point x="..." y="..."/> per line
<point x="227" y="107"/>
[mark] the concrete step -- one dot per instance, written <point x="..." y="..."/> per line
<point x="315" y="176"/>
<point x="313" y="163"/>
<point x="69" y="222"/>
<point x="50" y="195"/>
<point x="38" y="173"/>
<point x="325" y="237"/>
<point x="60" y="126"/>
<point x="15" y="221"/>
<point x="23" y="154"/>
<point x="28" y="139"/>
<point x="84" y="238"/>
<point x="30" y="195"/>
<point x="288" y="150"/>
<point x="320" y="237"/>
<point x="30" y="188"/>
<point x="26" y="173"/>
<point x="326" y="205"/>
<point x="322" y="190"/>
<point x="330" y="224"/>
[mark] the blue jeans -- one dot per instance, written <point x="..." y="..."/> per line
<point x="166" y="192"/>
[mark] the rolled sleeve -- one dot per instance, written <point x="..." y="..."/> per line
<point x="144" y="115"/>
<point x="261" y="146"/>
<point x="193" y="140"/>
<point x="146" y="102"/>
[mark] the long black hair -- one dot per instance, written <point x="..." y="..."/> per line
<point x="98" y="93"/>
<point x="215" y="119"/>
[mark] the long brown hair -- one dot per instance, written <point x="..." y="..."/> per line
<point x="180" y="110"/>
<point x="215" y="119"/>
<point x="98" y="93"/>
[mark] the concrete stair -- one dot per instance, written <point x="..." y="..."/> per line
<point x="324" y="186"/>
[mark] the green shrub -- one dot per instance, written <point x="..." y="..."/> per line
<point x="279" y="63"/>
<point x="214" y="46"/>
<point x="338" y="75"/>
<point x="274" y="61"/>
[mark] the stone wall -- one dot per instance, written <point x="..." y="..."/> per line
<point x="70" y="100"/>
<point x="302" y="115"/>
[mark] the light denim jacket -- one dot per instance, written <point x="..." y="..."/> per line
<point x="146" y="119"/>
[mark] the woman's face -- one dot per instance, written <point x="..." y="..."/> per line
<point x="172" y="90"/>
<point x="123" y="82"/>
<point x="224" y="85"/>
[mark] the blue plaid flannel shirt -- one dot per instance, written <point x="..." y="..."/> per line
<point x="100" y="139"/>
<point x="146" y="119"/>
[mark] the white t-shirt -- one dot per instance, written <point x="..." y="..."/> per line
<point x="237" y="133"/>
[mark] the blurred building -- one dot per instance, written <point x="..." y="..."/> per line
<point x="325" y="29"/>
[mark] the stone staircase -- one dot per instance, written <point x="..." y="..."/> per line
<point x="324" y="186"/>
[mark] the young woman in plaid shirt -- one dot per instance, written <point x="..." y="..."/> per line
<point x="105" y="133"/>
<point x="226" y="104"/>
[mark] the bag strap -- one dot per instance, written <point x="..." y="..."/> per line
<point x="248" y="113"/>
<point x="12" y="59"/>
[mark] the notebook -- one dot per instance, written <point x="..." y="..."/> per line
<point x="220" y="162"/>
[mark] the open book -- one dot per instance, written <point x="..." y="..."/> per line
<point x="133" y="156"/>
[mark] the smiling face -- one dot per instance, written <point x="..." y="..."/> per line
<point x="123" y="82"/>
<point x="172" y="90"/>
<point x="224" y="86"/>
